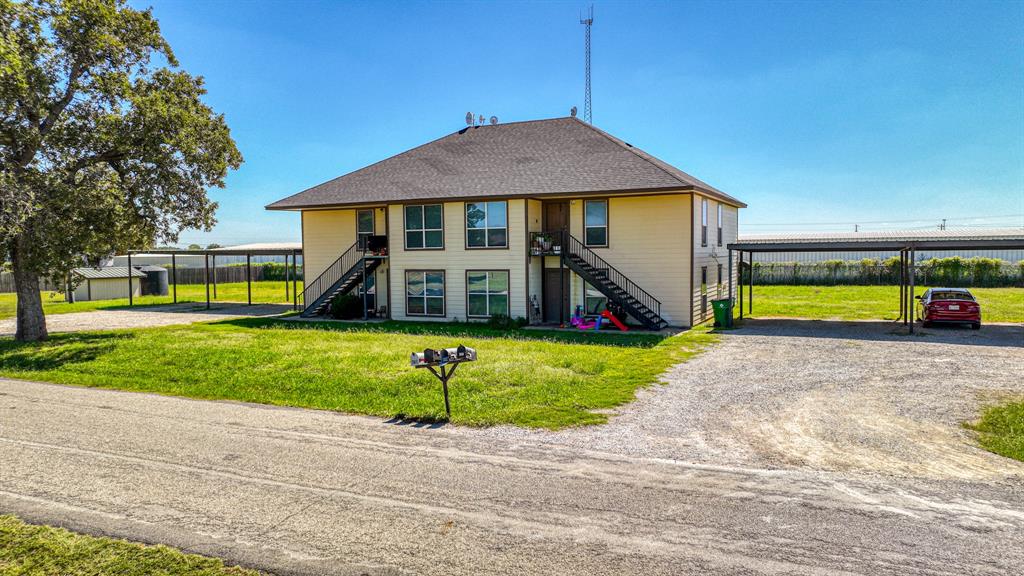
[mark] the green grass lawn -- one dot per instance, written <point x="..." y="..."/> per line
<point x="29" y="550"/>
<point x="870" y="302"/>
<point x="262" y="292"/>
<point x="1001" y="430"/>
<point x="528" y="378"/>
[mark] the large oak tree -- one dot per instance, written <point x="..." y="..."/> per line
<point x="105" y="143"/>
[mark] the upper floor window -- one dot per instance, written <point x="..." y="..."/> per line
<point x="486" y="293"/>
<point x="487" y="224"/>
<point x="703" y="222"/>
<point x="595" y="222"/>
<point x="719" y="224"/>
<point x="424" y="227"/>
<point x="364" y="227"/>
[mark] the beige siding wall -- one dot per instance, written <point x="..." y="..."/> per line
<point x="107" y="289"/>
<point x="711" y="256"/>
<point x="326" y="234"/>
<point x="455" y="259"/>
<point x="535" y="276"/>
<point x="647" y="241"/>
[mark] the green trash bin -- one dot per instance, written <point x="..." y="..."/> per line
<point x="723" y="312"/>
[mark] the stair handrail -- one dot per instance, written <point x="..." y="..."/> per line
<point x="577" y="248"/>
<point x="315" y="289"/>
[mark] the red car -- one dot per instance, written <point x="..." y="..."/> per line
<point x="954" y="305"/>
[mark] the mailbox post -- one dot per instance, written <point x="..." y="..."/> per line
<point x="442" y="363"/>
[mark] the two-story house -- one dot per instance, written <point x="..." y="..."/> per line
<point x="526" y="219"/>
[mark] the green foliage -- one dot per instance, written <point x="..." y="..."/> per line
<point x="505" y="322"/>
<point x="953" y="271"/>
<point x="870" y="302"/>
<point x="532" y="378"/>
<point x="262" y="293"/>
<point x="29" y="550"/>
<point x="103" y="140"/>
<point x="347" y="307"/>
<point x="1001" y="430"/>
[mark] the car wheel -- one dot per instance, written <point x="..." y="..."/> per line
<point x="926" y="324"/>
<point x="976" y="326"/>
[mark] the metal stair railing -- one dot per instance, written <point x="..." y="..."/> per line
<point x="574" y="248"/>
<point x="329" y="277"/>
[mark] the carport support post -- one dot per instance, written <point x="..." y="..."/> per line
<point x="174" y="277"/>
<point x="366" y="314"/>
<point x="740" y="282"/>
<point x="206" y="278"/>
<point x="214" y="276"/>
<point x="295" y="279"/>
<point x="248" y="279"/>
<point x="910" y="300"/>
<point x="730" y="280"/>
<point x="286" y="278"/>
<point x="130" y="279"/>
<point x="903" y="294"/>
<point x="750" y="299"/>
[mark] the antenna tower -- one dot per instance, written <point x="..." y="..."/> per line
<point x="588" y="22"/>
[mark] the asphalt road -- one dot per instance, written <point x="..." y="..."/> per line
<point x="304" y="492"/>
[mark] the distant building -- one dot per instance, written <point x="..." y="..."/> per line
<point x="106" y="283"/>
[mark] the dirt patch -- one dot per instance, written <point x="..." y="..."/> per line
<point x="836" y="396"/>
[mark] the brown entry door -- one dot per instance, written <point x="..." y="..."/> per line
<point x="556" y="216"/>
<point x="553" y="295"/>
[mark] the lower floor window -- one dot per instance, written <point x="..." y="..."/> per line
<point x="486" y="293"/>
<point x="593" y="301"/>
<point x="424" y="293"/>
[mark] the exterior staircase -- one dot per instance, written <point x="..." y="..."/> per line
<point x="614" y="284"/>
<point x="339" y="278"/>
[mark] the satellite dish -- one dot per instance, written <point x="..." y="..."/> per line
<point x="469" y="118"/>
<point x="482" y="119"/>
<point x="494" y="120"/>
<point x="572" y="112"/>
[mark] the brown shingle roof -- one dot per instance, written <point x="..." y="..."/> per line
<point x="533" y="158"/>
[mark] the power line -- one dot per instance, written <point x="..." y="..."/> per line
<point x="852" y="222"/>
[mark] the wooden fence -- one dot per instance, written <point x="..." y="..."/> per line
<point x="7" y="284"/>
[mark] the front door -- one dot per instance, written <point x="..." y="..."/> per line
<point x="556" y="216"/>
<point x="553" y="294"/>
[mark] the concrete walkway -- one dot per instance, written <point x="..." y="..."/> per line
<point x="306" y="492"/>
<point x="149" y="316"/>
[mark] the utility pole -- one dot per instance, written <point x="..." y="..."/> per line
<point x="587" y="111"/>
<point x="943" y="225"/>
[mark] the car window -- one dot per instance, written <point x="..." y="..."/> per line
<point x="952" y="296"/>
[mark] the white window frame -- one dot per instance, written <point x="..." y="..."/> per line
<point x="719" y="223"/>
<point x="703" y="222"/>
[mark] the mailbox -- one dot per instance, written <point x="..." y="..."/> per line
<point x="447" y="360"/>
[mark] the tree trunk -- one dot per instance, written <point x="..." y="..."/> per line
<point x="31" y="324"/>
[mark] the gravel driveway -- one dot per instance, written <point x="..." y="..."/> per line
<point x="835" y="396"/>
<point x="148" y="316"/>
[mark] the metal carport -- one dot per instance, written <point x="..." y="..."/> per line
<point x="248" y="250"/>
<point x="905" y="242"/>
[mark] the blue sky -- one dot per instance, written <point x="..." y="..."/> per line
<point x="818" y="114"/>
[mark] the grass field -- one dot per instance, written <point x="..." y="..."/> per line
<point x="1001" y="430"/>
<point x="29" y="550"/>
<point x="528" y="378"/>
<point x="870" y="302"/>
<point x="262" y="292"/>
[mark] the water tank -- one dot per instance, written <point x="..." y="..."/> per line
<point x="155" y="283"/>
